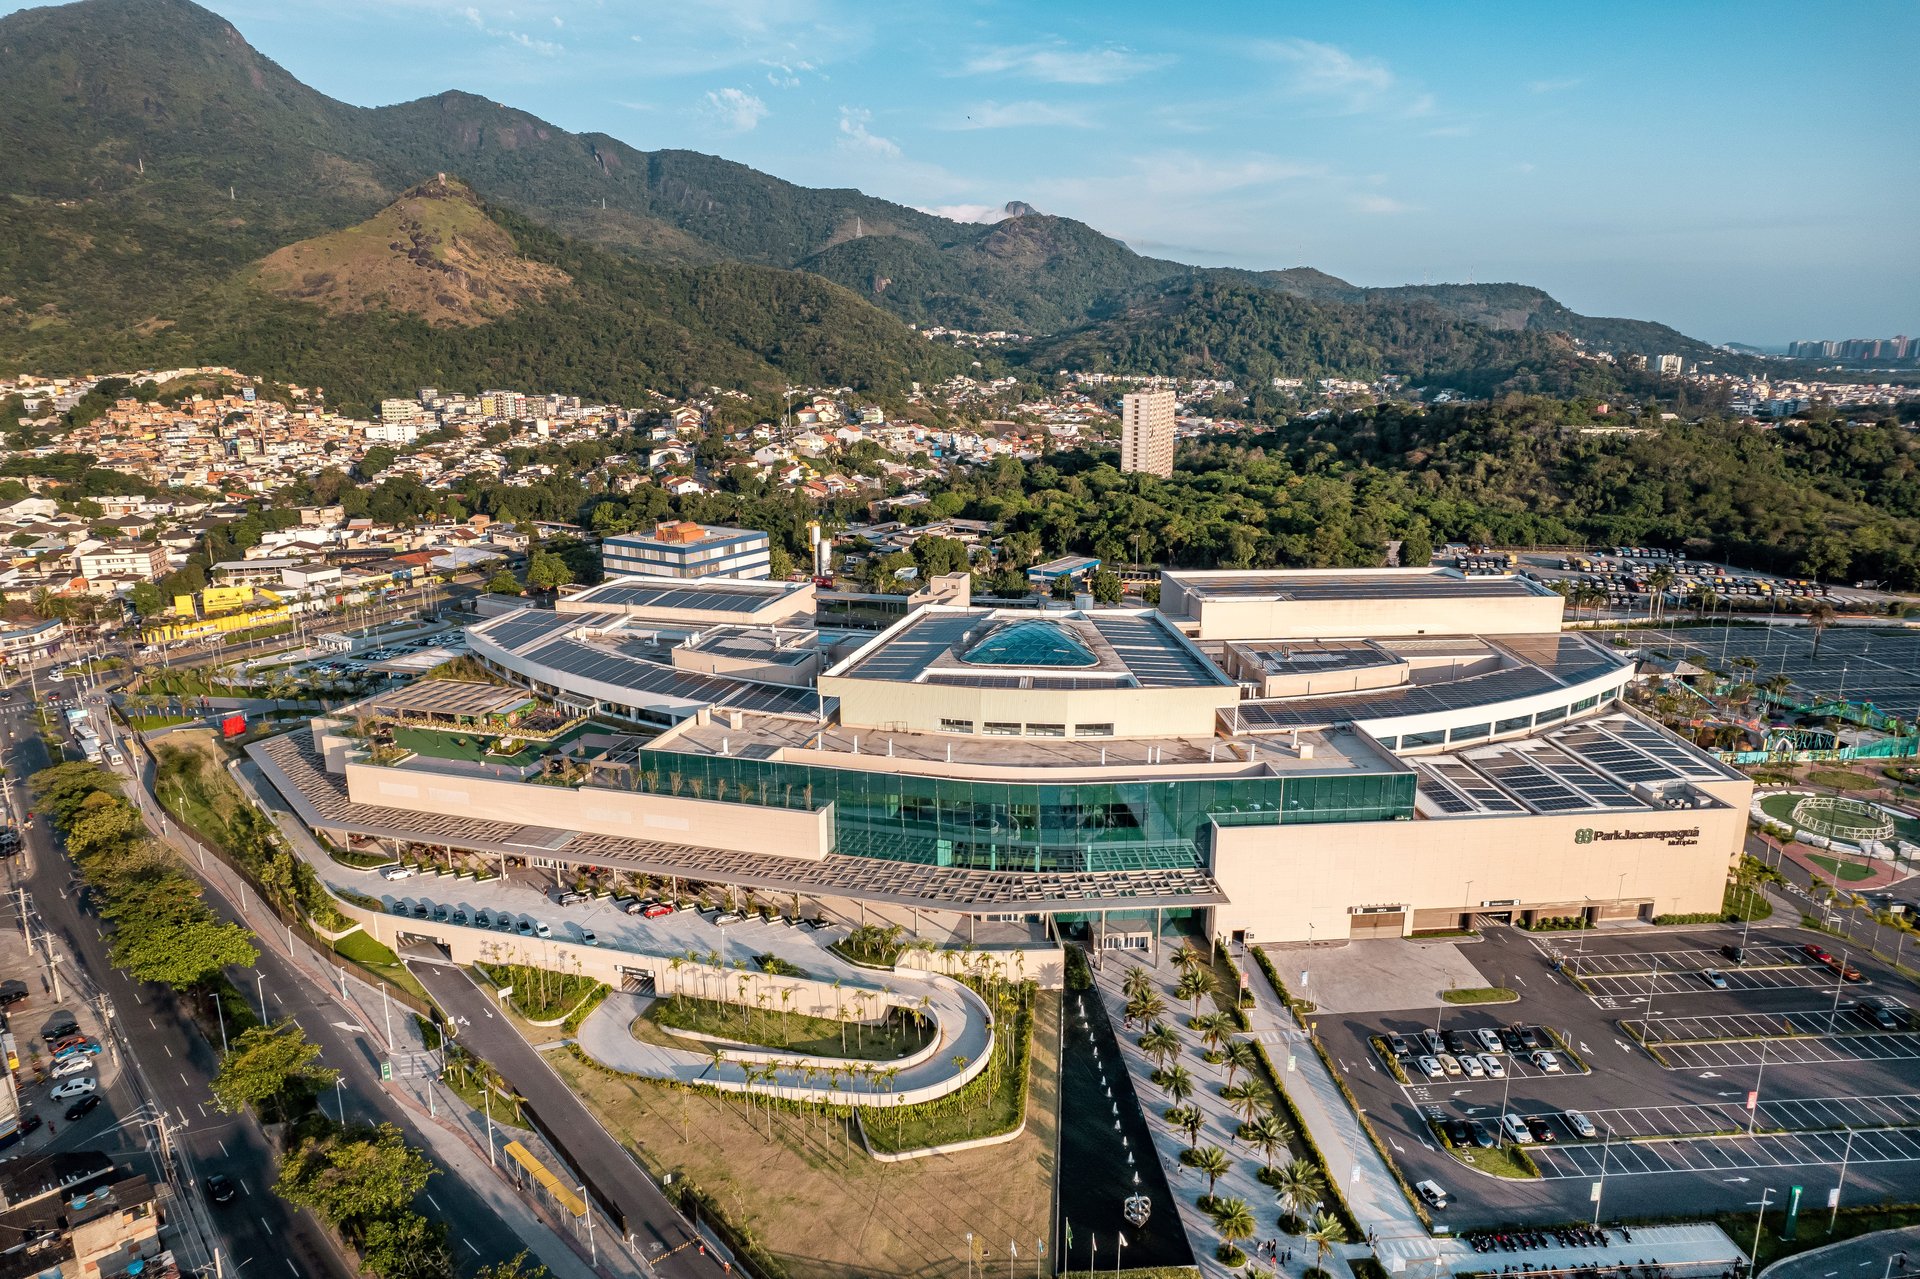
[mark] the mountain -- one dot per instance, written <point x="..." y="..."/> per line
<point x="433" y="253"/>
<point x="154" y="157"/>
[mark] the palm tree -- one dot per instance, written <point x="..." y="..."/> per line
<point x="1213" y="1028"/>
<point x="1246" y="1098"/>
<point x="1268" y="1134"/>
<point x="1233" y="1220"/>
<point x="1146" y="1007"/>
<point x="1776" y="686"/>
<point x="1196" y="985"/>
<point x="1177" y="1080"/>
<point x="1241" y="1055"/>
<point x="1297" y="1187"/>
<point x="1702" y="598"/>
<point x="1136" y="983"/>
<point x="1189" y="1120"/>
<point x="1820" y="617"/>
<point x="1187" y="959"/>
<point x="1160" y="1043"/>
<point x="1212" y="1161"/>
<point x="1326" y="1233"/>
<point x="1659" y="582"/>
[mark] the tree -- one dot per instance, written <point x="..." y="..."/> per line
<point x="1137" y="982"/>
<point x="408" y="1246"/>
<point x="272" y="1069"/>
<point x="1247" y="1098"/>
<point x="1297" y="1188"/>
<point x="1197" y="984"/>
<point x="1241" y="1055"/>
<point x="1106" y="587"/>
<point x="1161" y="1043"/>
<point x="1269" y="1134"/>
<point x="1233" y="1220"/>
<point x="514" y="1267"/>
<point x="1326" y="1233"/>
<point x="61" y="790"/>
<point x="779" y="563"/>
<point x="1213" y="1028"/>
<point x="1416" y="545"/>
<point x="1189" y="1120"/>
<point x="1146" y="1006"/>
<point x="547" y="572"/>
<point x="1820" y="617"/>
<point x="1178" y="1082"/>
<point x="503" y="582"/>
<point x="354" y="1177"/>
<point x="182" y="953"/>
<point x="1212" y="1162"/>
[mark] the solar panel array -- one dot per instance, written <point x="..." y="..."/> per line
<point x="1571" y="657"/>
<point x="962" y="679"/>
<point x="1154" y="656"/>
<point x="1410" y="699"/>
<point x="1682" y="758"/>
<point x="706" y="598"/>
<point x="529" y="624"/>
<point x="1549" y="782"/>
<point x="633" y="676"/>
<point x="913" y="649"/>
<point x="1454" y="787"/>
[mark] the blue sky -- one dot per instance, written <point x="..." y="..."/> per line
<point x="1744" y="171"/>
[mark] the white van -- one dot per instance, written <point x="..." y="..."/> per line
<point x="1516" y="1129"/>
<point x="398" y="870"/>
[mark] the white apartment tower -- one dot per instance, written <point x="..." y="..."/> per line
<point x="1146" y="432"/>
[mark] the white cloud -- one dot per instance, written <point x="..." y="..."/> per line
<point x="531" y="43"/>
<point x="855" y="136"/>
<point x="1377" y="204"/>
<point x="968" y="212"/>
<point x="1551" y="86"/>
<point x="1327" y="71"/>
<point x="1063" y="64"/>
<point x="735" y="110"/>
<point x="1021" y="115"/>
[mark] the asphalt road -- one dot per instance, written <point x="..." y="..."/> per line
<point x="660" y="1233"/>
<point x="262" y="1233"/>
<point x="1629" y="1093"/>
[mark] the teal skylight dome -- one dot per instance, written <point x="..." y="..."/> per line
<point x="1030" y="643"/>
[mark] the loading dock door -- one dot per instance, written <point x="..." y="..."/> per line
<point x="1371" y="925"/>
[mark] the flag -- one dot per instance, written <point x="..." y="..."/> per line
<point x="1013" y="1249"/>
<point x="1069" y="1235"/>
<point x="1122" y="1238"/>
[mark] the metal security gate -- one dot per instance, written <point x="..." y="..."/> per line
<point x="1371" y="924"/>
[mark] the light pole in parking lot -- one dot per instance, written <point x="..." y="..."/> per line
<point x="1600" y="1187"/>
<point x="1845" y="1153"/>
<point x="1753" y="1258"/>
<point x="1839" y="984"/>
<point x="1753" y="1111"/>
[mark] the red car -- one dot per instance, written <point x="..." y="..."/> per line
<point x="656" y="910"/>
<point x="1816" y="954"/>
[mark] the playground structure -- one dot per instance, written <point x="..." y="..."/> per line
<point x="1852" y="821"/>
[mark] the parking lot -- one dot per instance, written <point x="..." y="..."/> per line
<point x="1672" y="1131"/>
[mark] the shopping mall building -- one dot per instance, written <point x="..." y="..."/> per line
<point x="1267" y="755"/>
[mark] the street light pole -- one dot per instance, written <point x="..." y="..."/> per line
<point x="1753" y="1259"/>
<point x="1842" y="1184"/>
<point x="1839" y="984"/>
<point x="260" y="987"/>
<point x="1753" y="1111"/>
<point x="1606" y="1148"/>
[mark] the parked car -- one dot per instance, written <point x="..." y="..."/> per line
<point x="1511" y="1038"/>
<point x="1431" y="1041"/>
<point x="1579" y="1125"/>
<point x="483" y="919"/>
<point x="398" y="871"/>
<point x="1714" y="978"/>
<point x="541" y="930"/>
<point x="1735" y="954"/>
<point x="81" y="1109"/>
<point x="1430" y="1191"/>
<point x="1817" y="954"/>
<point x="78" y="1064"/>
<point x="571" y="897"/>
<point x="1458" y="1133"/>
<point x="460" y="917"/>
<point x="1485" y="1135"/>
<point x="1529" y="1036"/>
<point x="419" y="910"/>
<point x="398" y="908"/>
<point x="1450" y="1064"/>
<point x="1546" y="1061"/>
<point x="728" y="917"/>
<point x="525" y="927"/>
<point x="1489" y="1039"/>
<point x="1470" y="1064"/>
<point x="1398" y="1046"/>
<point x="1541" y="1130"/>
<point x="439" y="914"/>
<point x="588" y="937"/>
<point x="1877" y="1013"/>
<point x="82" y="1087"/>
<point x="84" y="1048"/>
<point x="1516" y="1130"/>
<point x="15" y="995"/>
<point x="1430" y="1066"/>
<point x="505" y="923"/>
<point x="657" y="909"/>
<point x="60" y="1030"/>
<point x="1495" y="1068"/>
<point x="1456" y="1042"/>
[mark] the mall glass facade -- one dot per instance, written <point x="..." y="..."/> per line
<point x="1029" y="826"/>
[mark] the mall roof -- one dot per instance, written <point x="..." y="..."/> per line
<point x="450" y="697"/>
<point x="1293" y="584"/>
<point x="981" y="648"/>
<point x="671" y="594"/>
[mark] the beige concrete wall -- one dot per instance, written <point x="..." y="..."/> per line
<point x="1133" y="712"/>
<point x="742" y="828"/>
<point x="1290" y="883"/>
<point x="1375" y="618"/>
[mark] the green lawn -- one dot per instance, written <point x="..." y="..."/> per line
<point x="993" y="1102"/>
<point x="540" y="994"/>
<point x="802" y="1033"/>
<point x="1480" y="995"/>
<point x="476" y="747"/>
<point x="1845" y="871"/>
<point x="367" y="952"/>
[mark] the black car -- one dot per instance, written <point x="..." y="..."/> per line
<point x="60" y="1030"/>
<point x="1529" y="1037"/>
<point x="1459" y="1132"/>
<point x="1511" y="1038"/>
<point x="1879" y="1014"/>
<point x="1486" y="1136"/>
<point x="8" y="998"/>
<point x="420" y="911"/>
<point x="220" y="1188"/>
<point x="82" y="1108"/>
<point x="1538" y="1127"/>
<point x="1737" y="954"/>
<point x="1457" y="1043"/>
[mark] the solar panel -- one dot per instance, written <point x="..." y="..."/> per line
<point x="1406" y="699"/>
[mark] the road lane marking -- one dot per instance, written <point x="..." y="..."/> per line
<point x="264" y="1225"/>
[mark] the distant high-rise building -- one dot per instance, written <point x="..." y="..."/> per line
<point x="1667" y="365"/>
<point x="1146" y="432"/>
